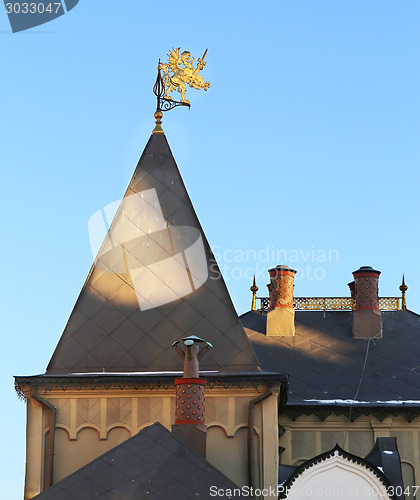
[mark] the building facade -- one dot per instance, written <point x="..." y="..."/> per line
<point x="353" y="369"/>
<point x="290" y="385"/>
<point x="154" y="282"/>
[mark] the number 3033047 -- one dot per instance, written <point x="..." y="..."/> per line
<point x="33" y="8"/>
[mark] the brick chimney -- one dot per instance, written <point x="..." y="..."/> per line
<point x="351" y="285"/>
<point x="190" y="425"/>
<point x="367" y="322"/>
<point x="281" y="315"/>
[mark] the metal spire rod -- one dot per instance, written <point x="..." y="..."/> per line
<point x="254" y="290"/>
<point x="403" y="289"/>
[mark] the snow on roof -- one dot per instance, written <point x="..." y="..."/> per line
<point x="353" y="401"/>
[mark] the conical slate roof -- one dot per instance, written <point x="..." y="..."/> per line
<point x="151" y="465"/>
<point x="154" y="281"/>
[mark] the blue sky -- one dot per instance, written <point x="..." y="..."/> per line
<point x="306" y="143"/>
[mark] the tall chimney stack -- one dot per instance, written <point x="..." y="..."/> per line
<point x="367" y="322"/>
<point x="190" y="425"/>
<point x="281" y="314"/>
<point x="351" y="285"/>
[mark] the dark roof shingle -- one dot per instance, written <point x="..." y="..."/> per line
<point x="153" y="464"/>
<point x="325" y="362"/>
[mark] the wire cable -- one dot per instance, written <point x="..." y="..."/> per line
<point x="357" y="391"/>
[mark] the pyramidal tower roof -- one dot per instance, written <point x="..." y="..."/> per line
<point x="154" y="281"/>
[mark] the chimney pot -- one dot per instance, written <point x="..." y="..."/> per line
<point x="281" y="315"/>
<point x="367" y="322"/>
<point x="190" y="424"/>
<point x="281" y="286"/>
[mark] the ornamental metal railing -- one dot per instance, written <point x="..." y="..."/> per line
<point x="333" y="303"/>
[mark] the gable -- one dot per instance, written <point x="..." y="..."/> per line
<point x="336" y="474"/>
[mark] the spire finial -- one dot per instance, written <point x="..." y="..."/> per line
<point x="158" y="117"/>
<point x="254" y="290"/>
<point x="403" y="289"/>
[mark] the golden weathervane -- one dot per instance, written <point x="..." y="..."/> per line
<point x="184" y="73"/>
<point x="176" y="74"/>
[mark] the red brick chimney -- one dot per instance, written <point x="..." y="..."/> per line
<point x="351" y="286"/>
<point x="281" y="315"/>
<point x="367" y="322"/>
<point x="190" y="425"/>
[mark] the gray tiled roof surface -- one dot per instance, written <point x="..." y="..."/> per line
<point x="151" y="465"/>
<point x="325" y="362"/>
<point x="155" y="226"/>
